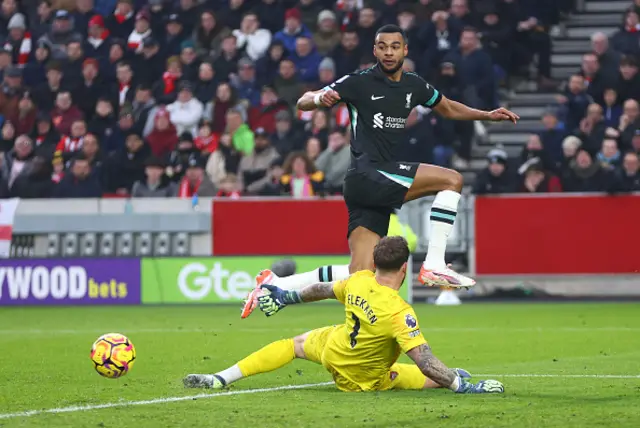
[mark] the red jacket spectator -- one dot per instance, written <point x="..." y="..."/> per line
<point x="64" y="113"/>
<point x="163" y="139"/>
<point x="264" y="114"/>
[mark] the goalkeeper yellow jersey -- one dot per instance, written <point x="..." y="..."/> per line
<point x="379" y="326"/>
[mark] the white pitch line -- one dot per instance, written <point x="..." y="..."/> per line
<point x="72" y="409"/>
<point x="574" y="376"/>
<point x="302" y="329"/>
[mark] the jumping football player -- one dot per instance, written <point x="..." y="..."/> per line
<point x="360" y="354"/>
<point x="379" y="101"/>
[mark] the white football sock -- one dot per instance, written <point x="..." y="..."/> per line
<point x="322" y="274"/>
<point x="231" y="374"/>
<point x="443" y="215"/>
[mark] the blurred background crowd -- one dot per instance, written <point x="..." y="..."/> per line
<point x="164" y="98"/>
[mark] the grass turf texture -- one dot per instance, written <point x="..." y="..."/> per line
<point x="45" y="364"/>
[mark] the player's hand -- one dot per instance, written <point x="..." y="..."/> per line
<point x="482" y="387"/>
<point x="272" y="301"/>
<point x="329" y="98"/>
<point x="502" y="114"/>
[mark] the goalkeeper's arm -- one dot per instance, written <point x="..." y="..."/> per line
<point x="277" y="298"/>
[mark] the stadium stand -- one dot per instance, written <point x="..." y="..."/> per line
<point x="120" y="98"/>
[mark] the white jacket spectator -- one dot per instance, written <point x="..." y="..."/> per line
<point x="250" y="36"/>
<point x="334" y="161"/>
<point x="186" y="111"/>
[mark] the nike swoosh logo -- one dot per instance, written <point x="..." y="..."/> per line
<point x="373" y="97"/>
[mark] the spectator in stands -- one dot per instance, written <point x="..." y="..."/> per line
<point x="10" y="92"/>
<point x="98" y="42"/>
<point x="195" y="181"/>
<point x="209" y="34"/>
<point x="537" y="180"/>
<point x="34" y="182"/>
<point x="327" y="36"/>
<point x="126" y="84"/>
<point x="144" y="110"/>
<point x="424" y="9"/>
<point x="627" y="39"/>
<point x="8" y="137"/>
<point x="36" y="69"/>
<point x="608" y="57"/>
<point x="628" y="82"/>
<point x="174" y="35"/>
<point x="141" y="30"/>
<point x="180" y="156"/>
<point x="495" y="178"/>
<point x="216" y="109"/>
<point x="552" y="137"/>
<point x="45" y="94"/>
<point x="367" y="26"/>
<point x="584" y="175"/>
<point x="267" y="67"/>
<point x="575" y="102"/>
<point x="26" y="115"/>
<point x="313" y="148"/>
<point x="246" y="83"/>
<point x="226" y="63"/>
<point x="157" y="184"/>
<point x="318" y="127"/>
<point x="224" y="161"/>
<point x="592" y="129"/>
<point x="241" y="134"/>
<point x="186" y="111"/>
<point x="475" y="68"/>
<point x="18" y="161"/>
<point x="90" y="88"/>
<point x="534" y="153"/>
<point x="189" y="60"/>
<point x="163" y="137"/>
<point x="334" y="161"/>
<point x="629" y="122"/>
<point x="306" y="60"/>
<point x="570" y="146"/>
<point x="91" y="150"/>
<point x="460" y="11"/>
<point x="73" y="63"/>
<point x="150" y="61"/>
<point x="635" y="142"/>
<point x="609" y="156"/>
<point x="496" y="37"/>
<point x="18" y="40"/>
<point x="438" y="37"/>
<point x="104" y="125"/>
<point x="271" y="14"/>
<point x="253" y="172"/>
<point x="81" y="183"/>
<point x="636" y="6"/>
<point x="251" y="38"/>
<point x="627" y="178"/>
<point x="286" y="82"/>
<point x="348" y="53"/>
<point x="327" y="72"/>
<point x="293" y="28"/>
<point x="612" y="109"/>
<point x="165" y="91"/>
<point x="406" y="20"/>
<point x="595" y="78"/>
<point x="121" y="23"/>
<point x="41" y="23"/>
<point x="44" y="136"/>
<point x="264" y="114"/>
<point x="109" y="66"/>
<point x="126" y="166"/>
<point x="287" y="137"/>
<point x="206" y="83"/>
<point x="62" y="33"/>
<point x="206" y="142"/>
<point x="84" y="11"/>
<point x="8" y="9"/>
<point x="301" y="179"/>
<point x="64" y="113"/>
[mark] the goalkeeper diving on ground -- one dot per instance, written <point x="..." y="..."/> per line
<point x="360" y="354"/>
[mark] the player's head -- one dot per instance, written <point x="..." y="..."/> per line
<point x="391" y="256"/>
<point x="390" y="48"/>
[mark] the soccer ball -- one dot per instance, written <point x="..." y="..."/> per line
<point x="113" y="355"/>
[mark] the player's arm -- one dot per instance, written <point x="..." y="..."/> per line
<point x="312" y="100"/>
<point x="274" y="299"/>
<point x="457" y="111"/>
<point x="438" y="372"/>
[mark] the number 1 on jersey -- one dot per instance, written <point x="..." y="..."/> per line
<point x="356" y="330"/>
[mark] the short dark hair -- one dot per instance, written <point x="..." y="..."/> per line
<point x="392" y="28"/>
<point x="391" y="253"/>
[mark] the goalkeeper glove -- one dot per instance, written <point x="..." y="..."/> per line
<point x="276" y="299"/>
<point x="482" y="387"/>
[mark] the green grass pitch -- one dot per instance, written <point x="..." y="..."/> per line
<point x="563" y="365"/>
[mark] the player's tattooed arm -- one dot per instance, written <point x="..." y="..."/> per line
<point x="431" y="366"/>
<point x="318" y="291"/>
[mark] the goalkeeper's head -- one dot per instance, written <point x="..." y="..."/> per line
<point x="390" y="258"/>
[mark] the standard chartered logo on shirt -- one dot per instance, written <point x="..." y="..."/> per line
<point x="380" y="121"/>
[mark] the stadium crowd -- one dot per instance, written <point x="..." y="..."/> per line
<point x="163" y="98"/>
<point x="591" y="136"/>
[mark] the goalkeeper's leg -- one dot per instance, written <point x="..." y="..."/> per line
<point x="271" y="357"/>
